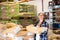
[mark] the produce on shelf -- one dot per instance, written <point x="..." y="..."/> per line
<point x="30" y="21"/>
<point x="8" y="9"/>
<point x="15" y="9"/>
<point x="27" y="9"/>
<point x="14" y="21"/>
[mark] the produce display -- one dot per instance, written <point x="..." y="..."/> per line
<point x="17" y="13"/>
<point x="27" y="9"/>
<point x="8" y="9"/>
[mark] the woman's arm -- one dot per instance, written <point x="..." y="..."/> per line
<point x="43" y="29"/>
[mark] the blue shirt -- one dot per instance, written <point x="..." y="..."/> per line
<point x="43" y="36"/>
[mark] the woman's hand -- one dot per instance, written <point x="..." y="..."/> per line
<point x="40" y="22"/>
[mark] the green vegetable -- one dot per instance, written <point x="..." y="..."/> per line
<point x="30" y="21"/>
<point x="17" y="9"/>
<point x="14" y="21"/>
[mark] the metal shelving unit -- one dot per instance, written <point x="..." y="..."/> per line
<point x="54" y="17"/>
<point x="54" y="9"/>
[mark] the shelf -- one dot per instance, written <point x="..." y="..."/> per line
<point x="56" y="11"/>
<point x="57" y="6"/>
<point x="5" y="19"/>
<point x="56" y="22"/>
<point x="24" y="17"/>
<point x="56" y="16"/>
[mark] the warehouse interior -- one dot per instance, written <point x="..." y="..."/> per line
<point x="16" y="15"/>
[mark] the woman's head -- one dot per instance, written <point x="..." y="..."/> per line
<point x="41" y="16"/>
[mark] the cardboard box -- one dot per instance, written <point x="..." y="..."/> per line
<point x="21" y="33"/>
<point x="36" y="30"/>
<point x="31" y="28"/>
<point x="13" y="30"/>
<point x="2" y="28"/>
<point x="25" y="35"/>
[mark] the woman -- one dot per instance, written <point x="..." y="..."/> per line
<point x="41" y="23"/>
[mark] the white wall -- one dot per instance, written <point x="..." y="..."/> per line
<point x="46" y="3"/>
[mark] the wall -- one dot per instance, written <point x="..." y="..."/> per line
<point x="46" y="3"/>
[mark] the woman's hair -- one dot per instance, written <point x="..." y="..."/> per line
<point x="45" y="16"/>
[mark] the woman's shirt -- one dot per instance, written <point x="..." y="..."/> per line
<point x="43" y="35"/>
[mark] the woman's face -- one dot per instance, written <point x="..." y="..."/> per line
<point x="41" y="16"/>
